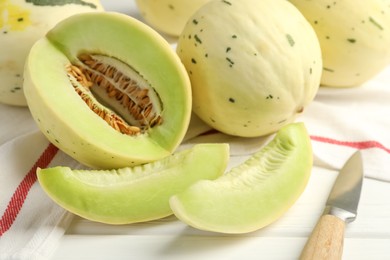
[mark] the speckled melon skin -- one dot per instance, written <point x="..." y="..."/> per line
<point x="27" y="22"/>
<point x="254" y="65"/>
<point x="354" y="37"/>
<point x="168" y="16"/>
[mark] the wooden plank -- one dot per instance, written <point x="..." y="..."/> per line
<point x="373" y="215"/>
<point x="205" y="247"/>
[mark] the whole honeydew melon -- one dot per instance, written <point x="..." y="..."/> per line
<point x="354" y="37"/>
<point x="168" y="16"/>
<point x="253" y="65"/>
<point x="22" y="23"/>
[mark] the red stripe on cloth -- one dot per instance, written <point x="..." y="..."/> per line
<point x="17" y="200"/>
<point x="357" y="145"/>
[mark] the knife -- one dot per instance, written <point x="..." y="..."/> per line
<point x="326" y="240"/>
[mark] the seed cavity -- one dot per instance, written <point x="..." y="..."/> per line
<point x="116" y="93"/>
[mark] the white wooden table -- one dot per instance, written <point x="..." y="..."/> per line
<point x="366" y="238"/>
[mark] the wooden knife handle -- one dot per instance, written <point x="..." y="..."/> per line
<point x="326" y="241"/>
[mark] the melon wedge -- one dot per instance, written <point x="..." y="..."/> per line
<point x="253" y="194"/>
<point x="137" y="194"/>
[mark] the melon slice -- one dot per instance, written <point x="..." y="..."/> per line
<point x="253" y="194"/>
<point x="129" y="195"/>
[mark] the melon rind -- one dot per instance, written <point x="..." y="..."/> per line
<point x="355" y="47"/>
<point x="253" y="194"/>
<point x="130" y="195"/>
<point x="254" y="65"/>
<point x="68" y="122"/>
<point x="168" y="16"/>
<point x="22" y="23"/>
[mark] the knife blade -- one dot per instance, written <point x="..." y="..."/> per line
<point x="327" y="238"/>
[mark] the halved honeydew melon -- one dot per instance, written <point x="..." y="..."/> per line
<point x="59" y="97"/>
<point x="253" y="194"/>
<point x="135" y="194"/>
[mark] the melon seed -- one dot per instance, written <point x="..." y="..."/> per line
<point x="116" y="93"/>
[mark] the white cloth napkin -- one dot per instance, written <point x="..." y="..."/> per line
<point x="339" y="121"/>
<point x="31" y="225"/>
<point x="343" y="120"/>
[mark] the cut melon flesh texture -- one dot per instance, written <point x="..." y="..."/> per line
<point x="253" y="194"/>
<point x="135" y="194"/>
<point x="70" y="124"/>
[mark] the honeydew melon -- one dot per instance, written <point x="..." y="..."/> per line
<point x="22" y="23"/>
<point x="354" y="38"/>
<point x="254" y="65"/>
<point x="253" y="194"/>
<point x="108" y="90"/>
<point x="129" y="195"/>
<point x="168" y="16"/>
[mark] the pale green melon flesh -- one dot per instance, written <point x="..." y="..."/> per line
<point x="134" y="194"/>
<point x="253" y="194"/>
<point x="65" y="118"/>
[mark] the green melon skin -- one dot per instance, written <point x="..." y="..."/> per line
<point x="253" y="194"/>
<point x="137" y="194"/>
<point x="354" y="38"/>
<point x="71" y="125"/>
